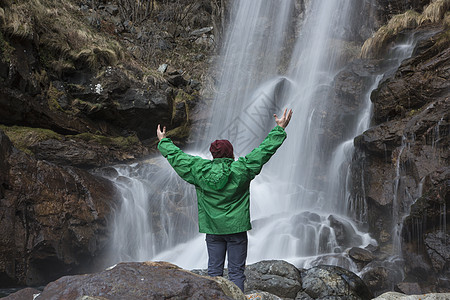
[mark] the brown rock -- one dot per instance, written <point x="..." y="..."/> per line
<point x="361" y="254"/>
<point x="147" y="280"/>
<point x="53" y="219"/>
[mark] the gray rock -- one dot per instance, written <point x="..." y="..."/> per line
<point x="361" y="255"/>
<point x="380" y="276"/>
<point x="274" y="276"/>
<point x="408" y="288"/>
<point x="162" y="68"/>
<point x="399" y="296"/>
<point x="335" y="282"/>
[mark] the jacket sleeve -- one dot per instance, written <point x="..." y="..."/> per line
<point x="181" y="162"/>
<point x="256" y="159"/>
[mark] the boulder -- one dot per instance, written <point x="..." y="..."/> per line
<point x="380" y="276"/>
<point x="53" y="219"/>
<point x="332" y="281"/>
<point x="360" y="256"/>
<point x="273" y="276"/>
<point x="134" y="280"/>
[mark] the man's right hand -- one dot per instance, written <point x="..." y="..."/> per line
<point x="159" y="133"/>
<point x="284" y="120"/>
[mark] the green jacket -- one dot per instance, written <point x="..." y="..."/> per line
<point x="222" y="184"/>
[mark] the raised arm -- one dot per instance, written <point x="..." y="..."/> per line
<point x="256" y="159"/>
<point x="180" y="161"/>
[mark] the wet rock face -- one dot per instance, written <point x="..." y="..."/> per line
<point x="53" y="219"/>
<point x="418" y="81"/>
<point x="403" y="161"/>
<point x="148" y="280"/>
<point x="348" y="92"/>
<point x="426" y="247"/>
<point x="415" y="141"/>
<point x="122" y="101"/>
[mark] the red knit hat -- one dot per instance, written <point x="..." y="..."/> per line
<point x="221" y="148"/>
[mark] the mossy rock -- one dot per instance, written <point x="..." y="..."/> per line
<point x="25" y="137"/>
<point x="53" y="96"/>
<point x="120" y="142"/>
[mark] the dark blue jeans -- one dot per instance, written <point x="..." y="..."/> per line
<point x="235" y="245"/>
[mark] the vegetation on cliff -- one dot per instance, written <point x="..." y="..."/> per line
<point x="435" y="13"/>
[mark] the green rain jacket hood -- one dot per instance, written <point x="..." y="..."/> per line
<point x="216" y="174"/>
<point x="222" y="184"/>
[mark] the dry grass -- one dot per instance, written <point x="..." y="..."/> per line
<point x="435" y="11"/>
<point x="375" y="46"/>
<point x="61" y="29"/>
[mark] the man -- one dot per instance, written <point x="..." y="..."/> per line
<point x="223" y="194"/>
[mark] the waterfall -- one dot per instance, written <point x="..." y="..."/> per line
<point x="300" y="207"/>
<point x="294" y="215"/>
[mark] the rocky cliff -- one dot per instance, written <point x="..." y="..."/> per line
<point x="94" y="71"/>
<point x="53" y="218"/>
<point x="84" y="83"/>
<point x="401" y="164"/>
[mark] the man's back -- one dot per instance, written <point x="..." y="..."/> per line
<point x="222" y="184"/>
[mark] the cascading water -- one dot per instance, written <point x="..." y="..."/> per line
<point x="296" y="213"/>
